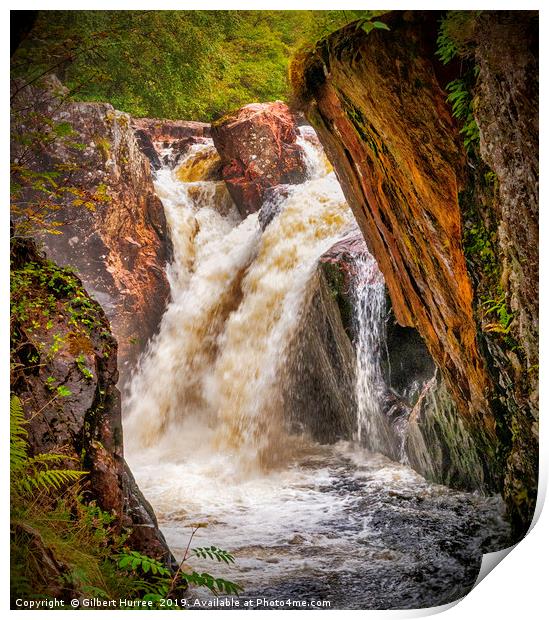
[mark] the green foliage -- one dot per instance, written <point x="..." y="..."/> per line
<point x="498" y="307"/>
<point x="132" y="560"/>
<point x="368" y="25"/>
<point x="162" y="584"/>
<point x="455" y="35"/>
<point x="81" y="363"/>
<point x="214" y="553"/>
<point x="462" y="108"/>
<point x="173" y="64"/>
<point x="456" y="40"/>
<point x="29" y="474"/>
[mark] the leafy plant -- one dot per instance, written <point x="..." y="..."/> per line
<point x="367" y="25"/>
<point x="81" y="363"/>
<point x="462" y="108"/>
<point x="499" y="308"/>
<point x="28" y="474"/>
<point x="163" y="584"/>
<point x="454" y="40"/>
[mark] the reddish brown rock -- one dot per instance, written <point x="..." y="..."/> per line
<point x="258" y="149"/>
<point x="395" y="149"/>
<point x="119" y="242"/>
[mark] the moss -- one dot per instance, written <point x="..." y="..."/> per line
<point x="337" y="285"/>
<point x="103" y="146"/>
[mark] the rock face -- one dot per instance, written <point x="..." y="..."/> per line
<point x="164" y="142"/>
<point x="258" y="150"/>
<point x="320" y="375"/>
<point x="380" y="113"/>
<point x="114" y="230"/>
<point x="507" y="111"/>
<point x="65" y="373"/>
<point x="420" y="421"/>
<point x="438" y="444"/>
<point x="393" y="144"/>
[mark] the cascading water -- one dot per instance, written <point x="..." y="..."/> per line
<point x="204" y="423"/>
<point x="369" y="306"/>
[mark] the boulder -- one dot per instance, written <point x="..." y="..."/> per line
<point x="258" y="150"/>
<point x="113" y="230"/>
<point x="319" y="376"/>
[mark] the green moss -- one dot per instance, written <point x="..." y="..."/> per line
<point x="335" y="278"/>
<point x="104" y="147"/>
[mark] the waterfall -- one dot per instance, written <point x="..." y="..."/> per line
<point x="368" y="290"/>
<point x="204" y="425"/>
<point x="214" y="369"/>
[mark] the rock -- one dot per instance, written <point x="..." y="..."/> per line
<point x="165" y="142"/>
<point x="394" y="146"/>
<point x="122" y="243"/>
<point x="378" y="107"/>
<point x="438" y="445"/>
<point x="66" y="343"/>
<point x="319" y="377"/>
<point x="258" y="150"/>
<point x="273" y="199"/>
<point x="506" y="111"/>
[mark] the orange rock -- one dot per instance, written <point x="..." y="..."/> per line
<point x="381" y="115"/>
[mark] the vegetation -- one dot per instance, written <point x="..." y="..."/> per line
<point x="455" y="39"/>
<point x="63" y="546"/>
<point x="193" y="65"/>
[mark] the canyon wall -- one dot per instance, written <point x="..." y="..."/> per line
<point x="377" y="103"/>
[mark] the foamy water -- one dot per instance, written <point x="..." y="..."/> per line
<point x="204" y="424"/>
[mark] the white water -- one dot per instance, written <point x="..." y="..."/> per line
<point x="369" y="314"/>
<point x="237" y="296"/>
<point x="204" y="426"/>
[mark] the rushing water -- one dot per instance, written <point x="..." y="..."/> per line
<point x="369" y="306"/>
<point x="204" y="422"/>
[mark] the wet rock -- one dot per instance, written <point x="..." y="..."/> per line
<point x="273" y="199"/>
<point x="65" y="374"/>
<point x="165" y="142"/>
<point x="320" y="372"/>
<point x="258" y="149"/>
<point x="438" y="445"/>
<point x="114" y="230"/>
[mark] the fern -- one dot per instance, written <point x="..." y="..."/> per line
<point x="215" y="585"/>
<point x="28" y="474"/>
<point x="18" y="435"/>
<point x="133" y="560"/>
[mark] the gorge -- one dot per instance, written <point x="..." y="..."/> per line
<point x="310" y="375"/>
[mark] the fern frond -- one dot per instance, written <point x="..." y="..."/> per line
<point x="54" y="478"/>
<point x="18" y="435"/>
<point x="214" y="553"/>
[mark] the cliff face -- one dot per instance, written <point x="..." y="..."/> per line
<point x="506" y="111"/>
<point x="64" y="370"/>
<point x="114" y="230"/>
<point x="380" y="112"/>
